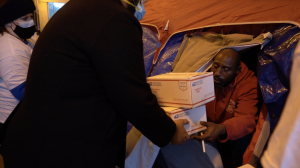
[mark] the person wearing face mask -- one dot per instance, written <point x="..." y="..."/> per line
<point x="86" y="79"/>
<point x="16" y="27"/>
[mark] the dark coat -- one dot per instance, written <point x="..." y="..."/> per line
<point x="86" y="79"/>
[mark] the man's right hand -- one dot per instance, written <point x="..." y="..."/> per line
<point x="180" y="135"/>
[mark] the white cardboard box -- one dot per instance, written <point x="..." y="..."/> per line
<point x="184" y="90"/>
<point x="194" y="116"/>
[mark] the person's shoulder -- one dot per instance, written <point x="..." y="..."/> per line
<point x="116" y="11"/>
<point x="94" y="9"/>
<point x="4" y="37"/>
<point x="247" y="80"/>
<point x="6" y="48"/>
<point x="99" y="13"/>
<point x="10" y="45"/>
<point x="248" y="85"/>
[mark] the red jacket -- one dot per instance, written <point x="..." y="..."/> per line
<point x="235" y="105"/>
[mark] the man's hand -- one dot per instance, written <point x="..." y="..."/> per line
<point x="212" y="133"/>
<point x="180" y="135"/>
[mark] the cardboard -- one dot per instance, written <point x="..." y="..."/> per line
<point x="194" y="116"/>
<point x="184" y="90"/>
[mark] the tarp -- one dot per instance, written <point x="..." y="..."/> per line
<point x="191" y="14"/>
<point x="167" y="55"/>
<point x="274" y="67"/>
<point x="283" y="149"/>
<point x="150" y="41"/>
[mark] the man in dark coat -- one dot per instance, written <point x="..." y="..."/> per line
<point x="86" y="79"/>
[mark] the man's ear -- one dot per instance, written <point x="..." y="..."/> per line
<point x="238" y="70"/>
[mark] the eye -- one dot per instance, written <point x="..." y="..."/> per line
<point x="215" y="65"/>
<point x="226" y="69"/>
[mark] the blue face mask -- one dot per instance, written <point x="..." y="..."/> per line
<point x="140" y="11"/>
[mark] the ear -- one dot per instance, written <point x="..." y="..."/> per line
<point x="238" y="70"/>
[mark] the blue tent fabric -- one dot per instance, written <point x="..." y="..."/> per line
<point x="167" y="55"/>
<point x="150" y="41"/>
<point x="274" y="67"/>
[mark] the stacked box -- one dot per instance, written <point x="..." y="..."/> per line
<point x="184" y="96"/>
<point x="194" y="116"/>
<point x="184" y="90"/>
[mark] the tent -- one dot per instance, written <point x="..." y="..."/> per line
<point x="166" y="22"/>
<point x="181" y="16"/>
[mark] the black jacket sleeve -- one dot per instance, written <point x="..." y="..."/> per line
<point x="118" y="58"/>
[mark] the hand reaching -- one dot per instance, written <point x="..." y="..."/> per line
<point x="212" y="133"/>
<point x="180" y="135"/>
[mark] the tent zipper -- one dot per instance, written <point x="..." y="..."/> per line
<point x="146" y="24"/>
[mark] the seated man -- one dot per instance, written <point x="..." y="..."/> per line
<point x="231" y="116"/>
<point x="231" y="119"/>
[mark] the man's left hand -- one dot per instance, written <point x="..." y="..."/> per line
<point x="212" y="133"/>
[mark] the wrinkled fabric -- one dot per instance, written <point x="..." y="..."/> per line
<point x="140" y="151"/>
<point x="199" y="48"/>
<point x="190" y="155"/>
<point x="192" y="14"/>
<point x="14" y="62"/>
<point x="259" y="138"/>
<point x="274" y="67"/>
<point x="167" y="55"/>
<point x="150" y="42"/>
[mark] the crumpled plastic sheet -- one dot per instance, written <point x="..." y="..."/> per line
<point x="274" y="68"/>
<point x="167" y="55"/>
<point x="150" y="41"/>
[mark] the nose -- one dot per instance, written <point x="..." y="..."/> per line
<point x="217" y="72"/>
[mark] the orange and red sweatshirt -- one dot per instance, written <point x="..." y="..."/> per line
<point x="235" y="105"/>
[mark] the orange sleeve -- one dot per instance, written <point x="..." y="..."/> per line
<point x="243" y="122"/>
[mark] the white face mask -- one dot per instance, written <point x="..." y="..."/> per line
<point x="26" y="24"/>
